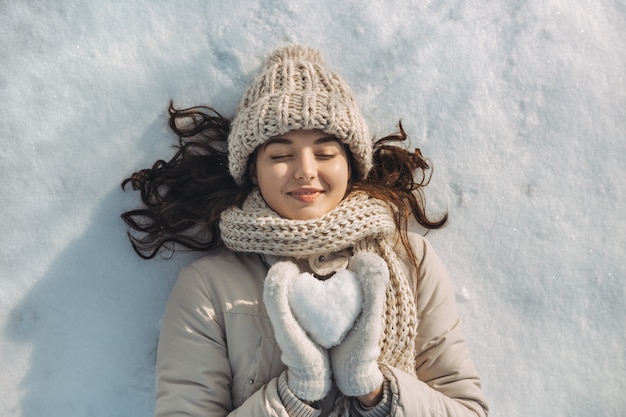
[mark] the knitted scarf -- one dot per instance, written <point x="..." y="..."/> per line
<point x="359" y="222"/>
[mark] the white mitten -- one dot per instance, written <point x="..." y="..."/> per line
<point x="308" y="374"/>
<point x="355" y="361"/>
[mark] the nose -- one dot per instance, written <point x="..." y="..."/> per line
<point x="307" y="169"/>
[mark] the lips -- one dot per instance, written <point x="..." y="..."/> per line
<point x="306" y="196"/>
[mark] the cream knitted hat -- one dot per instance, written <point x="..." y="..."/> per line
<point x="296" y="91"/>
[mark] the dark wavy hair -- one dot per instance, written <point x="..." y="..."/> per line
<point x="184" y="197"/>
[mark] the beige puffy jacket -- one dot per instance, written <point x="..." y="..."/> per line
<point x="217" y="356"/>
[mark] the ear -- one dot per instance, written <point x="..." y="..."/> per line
<point x="351" y="162"/>
<point x="252" y="172"/>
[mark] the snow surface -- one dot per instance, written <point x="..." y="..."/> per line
<point x="521" y="106"/>
<point x="326" y="309"/>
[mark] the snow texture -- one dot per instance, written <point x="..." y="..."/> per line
<point x="520" y="106"/>
<point x="327" y="309"/>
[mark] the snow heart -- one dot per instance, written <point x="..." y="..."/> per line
<point x="326" y="310"/>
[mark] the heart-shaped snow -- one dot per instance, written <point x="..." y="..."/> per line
<point x="326" y="310"/>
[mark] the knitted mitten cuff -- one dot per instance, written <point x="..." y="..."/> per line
<point x="294" y="406"/>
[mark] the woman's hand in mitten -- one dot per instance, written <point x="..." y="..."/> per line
<point x="308" y="374"/>
<point x="355" y="360"/>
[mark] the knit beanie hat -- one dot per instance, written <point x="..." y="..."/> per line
<point x="296" y="91"/>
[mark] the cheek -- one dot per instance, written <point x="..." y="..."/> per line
<point x="269" y="175"/>
<point x="341" y="173"/>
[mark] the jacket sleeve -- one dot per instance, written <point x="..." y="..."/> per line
<point x="193" y="374"/>
<point x="447" y="382"/>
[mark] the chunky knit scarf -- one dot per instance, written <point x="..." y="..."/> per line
<point x="359" y="222"/>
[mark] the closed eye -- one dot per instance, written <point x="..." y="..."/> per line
<point x="279" y="157"/>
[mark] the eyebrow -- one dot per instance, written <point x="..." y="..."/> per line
<point x="286" y="141"/>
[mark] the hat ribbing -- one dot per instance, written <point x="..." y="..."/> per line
<point x="296" y="91"/>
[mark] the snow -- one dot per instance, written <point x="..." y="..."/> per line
<point x="327" y="309"/>
<point x="520" y="105"/>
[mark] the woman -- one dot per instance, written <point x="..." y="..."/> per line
<point x="314" y="299"/>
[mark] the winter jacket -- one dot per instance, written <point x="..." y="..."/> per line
<point x="217" y="355"/>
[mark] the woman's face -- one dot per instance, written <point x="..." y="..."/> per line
<point x="302" y="174"/>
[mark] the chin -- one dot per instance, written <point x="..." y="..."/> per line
<point x="306" y="214"/>
<point x="304" y="217"/>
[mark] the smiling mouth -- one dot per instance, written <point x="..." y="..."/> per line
<point x="305" y="196"/>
